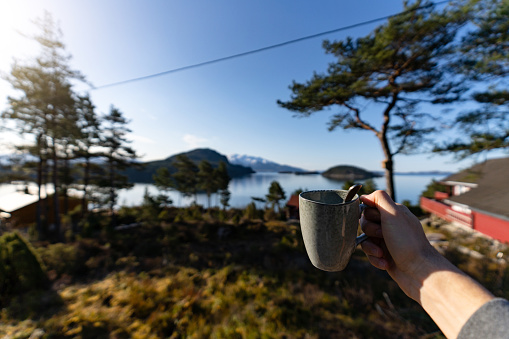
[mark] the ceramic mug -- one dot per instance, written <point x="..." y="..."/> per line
<point x="329" y="227"/>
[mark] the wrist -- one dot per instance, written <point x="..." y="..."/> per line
<point x="447" y="294"/>
<point x="412" y="278"/>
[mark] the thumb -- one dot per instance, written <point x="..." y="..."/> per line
<point x="381" y="200"/>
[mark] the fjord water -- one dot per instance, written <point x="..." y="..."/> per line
<point x="408" y="187"/>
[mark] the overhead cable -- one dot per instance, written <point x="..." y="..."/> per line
<point x="263" y="49"/>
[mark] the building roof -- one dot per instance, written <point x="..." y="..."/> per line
<point x="294" y="201"/>
<point x="17" y="195"/>
<point x="13" y="201"/>
<point x="491" y="194"/>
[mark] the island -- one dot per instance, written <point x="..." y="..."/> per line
<point x="347" y="172"/>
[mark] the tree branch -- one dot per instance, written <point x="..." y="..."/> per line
<point x="358" y="119"/>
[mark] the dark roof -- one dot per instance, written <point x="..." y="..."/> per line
<point x="492" y="193"/>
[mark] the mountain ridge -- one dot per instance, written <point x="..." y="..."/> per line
<point x="260" y="164"/>
<point x="145" y="174"/>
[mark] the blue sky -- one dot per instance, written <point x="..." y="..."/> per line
<point x="228" y="106"/>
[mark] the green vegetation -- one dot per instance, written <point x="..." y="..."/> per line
<point x="432" y="187"/>
<point x="276" y="194"/>
<point x="190" y="179"/>
<point x="229" y="273"/>
<point x="484" y="58"/>
<point x="21" y="269"/>
<point x="350" y="173"/>
<point x="149" y="169"/>
<point x="397" y="67"/>
<point x="200" y="277"/>
<point x="193" y="272"/>
<point x="368" y="186"/>
<point x="61" y="128"/>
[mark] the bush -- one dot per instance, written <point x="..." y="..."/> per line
<point x="21" y="270"/>
<point x="433" y="186"/>
<point x="251" y="212"/>
<point x="63" y="259"/>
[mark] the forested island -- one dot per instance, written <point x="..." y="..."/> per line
<point x="347" y="172"/>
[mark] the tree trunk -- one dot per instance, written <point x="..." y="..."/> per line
<point x="389" y="177"/>
<point x="38" y="206"/>
<point x="86" y="176"/>
<point x="65" y="193"/>
<point x="44" y="206"/>
<point x="112" y="194"/>
<point x="56" y="202"/>
<point x="388" y="166"/>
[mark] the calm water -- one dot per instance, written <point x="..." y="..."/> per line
<point x="408" y="187"/>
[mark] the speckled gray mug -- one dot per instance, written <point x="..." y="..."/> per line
<point x="329" y="227"/>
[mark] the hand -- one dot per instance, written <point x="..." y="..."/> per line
<point x="397" y="241"/>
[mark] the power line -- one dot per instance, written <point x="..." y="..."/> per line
<point x="263" y="49"/>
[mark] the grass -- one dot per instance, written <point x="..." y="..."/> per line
<point x="234" y="278"/>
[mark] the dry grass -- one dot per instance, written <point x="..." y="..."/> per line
<point x="211" y="279"/>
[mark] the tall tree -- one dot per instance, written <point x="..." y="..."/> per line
<point x="45" y="109"/>
<point x="207" y="179"/>
<point x="276" y="194"/>
<point x="397" y="67"/>
<point x="119" y="155"/>
<point x="185" y="178"/>
<point x="88" y="143"/>
<point x="223" y="181"/>
<point x="484" y="60"/>
<point x="163" y="179"/>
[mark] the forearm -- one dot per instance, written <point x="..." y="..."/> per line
<point x="448" y="295"/>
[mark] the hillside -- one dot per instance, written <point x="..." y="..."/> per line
<point x="207" y="279"/>
<point x="214" y="158"/>
<point x="259" y="164"/>
<point x="347" y="172"/>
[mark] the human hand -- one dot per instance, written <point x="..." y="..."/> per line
<point x="397" y="242"/>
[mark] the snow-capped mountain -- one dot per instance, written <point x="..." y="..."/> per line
<point x="259" y="164"/>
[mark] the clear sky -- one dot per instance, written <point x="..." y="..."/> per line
<point x="228" y="106"/>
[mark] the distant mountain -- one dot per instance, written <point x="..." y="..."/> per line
<point x="260" y="164"/>
<point x="214" y="158"/>
<point x="347" y="172"/>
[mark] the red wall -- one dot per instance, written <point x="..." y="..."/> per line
<point x="491" y="226"/>
<point x="445" y="211"/>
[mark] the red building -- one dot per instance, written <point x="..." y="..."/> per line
<point x="292" y="207"/>
<point x="477" y="198"/>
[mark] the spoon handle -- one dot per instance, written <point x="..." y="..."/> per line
<point x="352" y="191"/>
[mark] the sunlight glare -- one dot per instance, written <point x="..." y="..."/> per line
<point x="16" y="20"/>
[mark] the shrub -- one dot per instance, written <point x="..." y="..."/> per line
<point x="251" y="212"/>
<point x="62" y="258"/>
<point x="433" y="186"/>
<point x="21" y="269"/>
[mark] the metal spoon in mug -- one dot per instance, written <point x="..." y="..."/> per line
<point x="352" y="191"/>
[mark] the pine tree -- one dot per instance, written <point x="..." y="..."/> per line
<point x="185" y="178"/>
<point x="400" y="65"/>
<point x="118" y="156"/>
<point x="484" y="59"/>
<point x="45" y="109"/>
<point x="276" y="194"/>
<point x="89" y="139"/>
<point x="207" y="179"/>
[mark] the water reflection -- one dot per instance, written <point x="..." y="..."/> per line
<point x="408" y="187"/>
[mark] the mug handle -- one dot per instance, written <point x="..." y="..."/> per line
<point x="363" y="237"/>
